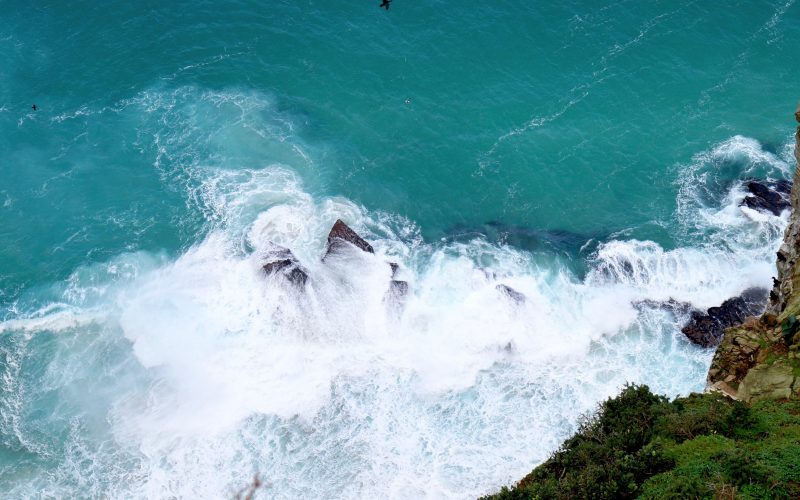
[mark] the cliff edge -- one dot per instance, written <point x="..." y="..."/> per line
<point x="760" y="359"/>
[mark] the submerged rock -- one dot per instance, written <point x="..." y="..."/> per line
<point x="676" y="307"/>
<point x="517" y="297"/>
<point x="768" y="196"/>
<point x="281" y="261"/>
<point x="526" y="238"/>
<point x="398" y="289"/>
<point x="707" y="329"/>
<point x="341" y="237"/>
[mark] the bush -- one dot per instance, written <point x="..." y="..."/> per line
<point x="703" y="446"/>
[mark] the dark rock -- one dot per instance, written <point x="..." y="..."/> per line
<point x="707" y="329"/>
<point x="512" y="294"/>
<point x="768" y="196"/>
<point x="281" y="261"/>
<point x="395" y="297"/>
<point x="341" y="236"/>
<point x="523" y="237"/>
<point x="398" y="289"/>
<point x="395" y="267"/>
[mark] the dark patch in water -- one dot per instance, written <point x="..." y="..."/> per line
<point x="527" y="238"/>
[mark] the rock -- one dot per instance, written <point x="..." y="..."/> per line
<point x="341" y="236"/>
<point x="395" y="297"/>
<point x="766" y="382"/>
<point x="707" y="329"/>
<point x="395" y="267"/>
<point x="281" y="261"/>
<point x="753" y="357"/>
<point x="512" y="294"/>
<point x="398" y="289"/>
<point x="768" y="196"/>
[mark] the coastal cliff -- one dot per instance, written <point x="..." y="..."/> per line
<point x="759" y="359"/>
<point x="740" y="439"/>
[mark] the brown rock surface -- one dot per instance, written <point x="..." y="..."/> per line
<point x="341" y="236"/>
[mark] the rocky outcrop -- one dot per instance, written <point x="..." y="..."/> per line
<point x="342" y="237"/>
<point x="707" y="329"/>
<point x="760" y="359"/>
<point x="767" y="196"/>
<point x="783" y="293"/>
<point x="280" y="261"/>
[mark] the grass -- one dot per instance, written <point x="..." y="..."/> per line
<point x="640" y="445"/>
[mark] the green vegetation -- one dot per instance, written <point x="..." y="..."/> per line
<point x="640" y="445"/>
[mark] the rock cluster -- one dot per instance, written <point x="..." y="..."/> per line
<point x="280" y="261"/>
<point x="761" y="358"/>
<point x="707" y="329"/>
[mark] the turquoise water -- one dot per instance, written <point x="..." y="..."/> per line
<point x="588" y="155"/>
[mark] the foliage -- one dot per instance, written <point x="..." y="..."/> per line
<point x="640" y="445"/>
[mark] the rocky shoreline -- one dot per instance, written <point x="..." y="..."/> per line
<point x="739" y="439"/>
<point x="759" y="359"/>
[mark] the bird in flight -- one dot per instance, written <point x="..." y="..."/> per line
<point x="385" y="4"/>
<point x="34" y="107"/>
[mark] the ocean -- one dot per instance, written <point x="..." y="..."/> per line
<point x="589" y="155"/>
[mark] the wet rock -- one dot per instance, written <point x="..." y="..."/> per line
<point x="768" y="196"/>
<point x="396" y="295"/>
<point x="398" y="289"/>
<point x="282" y="262"/>
<point x="707" y="329"/>
<point x="512" y="294"/>
<point x="341" y="237"/>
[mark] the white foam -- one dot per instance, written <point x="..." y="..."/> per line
<point x="334" y="393"/>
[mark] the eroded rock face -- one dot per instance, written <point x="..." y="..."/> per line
<point x="707" y="329"/>
<point x="767" y="196"/>
<point x="341" y="237"/>
<point x="766" y="381"/>
<point x="282" y="262"/>
<point x="788" y="272"/>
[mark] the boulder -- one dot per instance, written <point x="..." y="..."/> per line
<point x="341" y="237"/>
<point x="767" y="196"/>
<point x="507" y="291"/>
<point x="280" y="261"/>
<point x="707" y="329"/>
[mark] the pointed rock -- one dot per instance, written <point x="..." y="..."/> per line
<point x="341" y="236"/>
<point x="281" y="261"/>
<point x="707" y="329"/>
